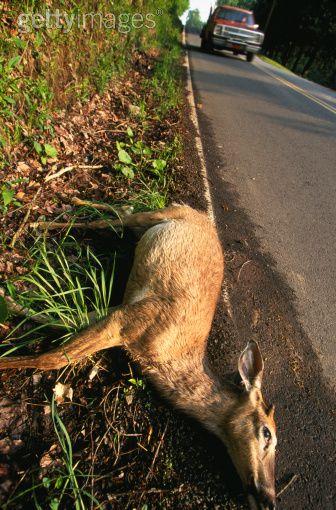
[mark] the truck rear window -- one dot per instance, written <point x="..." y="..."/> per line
<point x="237" y="16"/>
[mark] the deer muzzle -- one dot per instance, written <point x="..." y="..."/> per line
<point x="261" y="498"/>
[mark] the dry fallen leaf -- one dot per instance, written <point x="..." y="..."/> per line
<point x="48" y="457"/>
<point x="20" y="195"/>
<point x="62" y="391"/>
<point x="37" y="379"/>
<point x="23" y="167"/>
<point x="93" y="372"/>
<point x="9" y="446"/>
<point x="129" y="399"/>
<point x="134" y="110"/>
<point x="47" y="410"/>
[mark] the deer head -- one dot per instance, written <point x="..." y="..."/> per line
<point x="249" y="433"/>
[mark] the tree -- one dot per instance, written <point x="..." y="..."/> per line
<point x="194" y="22"/>
<point x="244" y="4"/>
<point x="301" y="35"/>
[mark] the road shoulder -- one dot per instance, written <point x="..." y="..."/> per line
<point x="264" y="309"/>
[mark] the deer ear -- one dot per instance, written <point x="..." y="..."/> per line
<point x="251" y="366"/>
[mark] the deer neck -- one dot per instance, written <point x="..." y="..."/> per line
<point x="189" y="385"/>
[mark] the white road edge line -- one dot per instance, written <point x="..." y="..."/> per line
<point x="200" y="152"/>
<point x="198" y="139"/>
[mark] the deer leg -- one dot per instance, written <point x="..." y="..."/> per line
<point x="142" y="220"/>
<point x="102" y="335"/>
<point x="89" y="225"/>
<point x="122" y="328"/>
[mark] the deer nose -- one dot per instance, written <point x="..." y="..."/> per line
<point x="255" y="503"/>
<point x="261" y="498"/>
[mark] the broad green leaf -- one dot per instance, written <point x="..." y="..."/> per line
<point x="54" y="504"/>
<point x="3" y="310"/>
<point x="38" y="147"/>
<point x="159" y="164"/>
<point x="38" y="39"/>
<point x="130" y="132"/>
<point x="9" y="99"/>
<point x="136" y="150"/>
<point x="120" y="145"/>
<point x="50" y="151"/>
<point x="124" y="157"/>
<point x="7" y="196"/>
<point x="127" y="172"/>
<point x="46" y="482"/>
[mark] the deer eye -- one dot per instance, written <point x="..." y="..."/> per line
<point x="267" y="433"/>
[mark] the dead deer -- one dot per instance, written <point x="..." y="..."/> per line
<point x="164" y="323"/>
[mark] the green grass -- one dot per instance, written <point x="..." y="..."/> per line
<point x="274" y="63"/>
<point x="166" y="80"/>
<point x="66" y="286"/>
<point x="70" y="482"/>
<point x="148" y="168"/>
<point x="47" y="69"/>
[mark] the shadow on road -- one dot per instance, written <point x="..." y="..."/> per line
<point x="215" y="53"/>
<point x="245" y="80"/>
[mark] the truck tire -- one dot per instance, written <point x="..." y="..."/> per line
<point x="206" y="45"/>
<point x="249" y="56"/>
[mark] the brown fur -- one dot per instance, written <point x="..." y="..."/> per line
<point x="164" y="323"/>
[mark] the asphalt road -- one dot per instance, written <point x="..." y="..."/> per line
<point x="279" y="145"/>
<point x="269" y="142"/>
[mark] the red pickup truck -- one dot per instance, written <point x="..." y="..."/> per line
<point x="234" y="29"/>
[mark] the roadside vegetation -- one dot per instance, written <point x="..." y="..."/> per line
<point x="194" y="21"/>
<point x="90" y="122"/>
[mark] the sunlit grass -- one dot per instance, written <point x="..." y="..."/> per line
<point x="66" y="288"/>
<point x="274" y="63"/>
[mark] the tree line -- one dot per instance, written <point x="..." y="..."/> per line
<point x="300" y="35"/>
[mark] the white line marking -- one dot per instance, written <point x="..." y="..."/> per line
<point x="204" y="172"/>
<point x="198" y="140"/>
